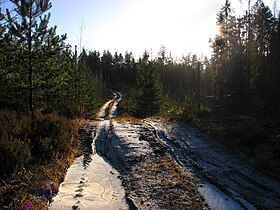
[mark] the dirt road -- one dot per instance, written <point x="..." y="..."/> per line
<point x="160" y="164"/>
<point x="91" y="182"/>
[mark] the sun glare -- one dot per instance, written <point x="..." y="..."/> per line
<point x="146" y="25"/>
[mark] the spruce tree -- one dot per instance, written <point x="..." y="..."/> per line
<point x="149" y="87"/>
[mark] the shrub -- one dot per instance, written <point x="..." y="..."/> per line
<point x="170" y="107"/>
<point x="69" y="109"/>
<point x="14" y="142"/>
<point x="14" y="154"/>
<point x="191" y="108"/>
<point x="53" y="135"/>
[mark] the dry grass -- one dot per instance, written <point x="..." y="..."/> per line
<point x="157" y="182"/>
<point x="127" y="119"/>
<point x="33" y="185"/>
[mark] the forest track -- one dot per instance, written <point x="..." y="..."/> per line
<point x="167" y="165"/>
<point x="91" y="182"/>
<point x="109" y="110"/>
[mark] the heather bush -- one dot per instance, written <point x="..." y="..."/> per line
<point x="14" y="142"/>
<point x="53" y="135"/>
<point x="48" y="137"/>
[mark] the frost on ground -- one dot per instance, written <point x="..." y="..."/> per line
<point x="152" y="180"/>
<point x="238" y="181"/>
<point x="90" y="183"/>
<point x="159" y="164"/>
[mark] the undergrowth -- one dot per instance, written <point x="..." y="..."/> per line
<point x="26" y="146"/>
<point x="247" y="135"/>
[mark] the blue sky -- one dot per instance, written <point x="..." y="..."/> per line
<point x="182" y="26"/>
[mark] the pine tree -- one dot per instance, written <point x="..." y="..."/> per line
<point x="262" y="82"/>
<point x="221" y="53"/>
<point x="11" y="79"/>
<point x="228" y="59"/>
<point x="129" y="69"/>
<point x="275" y="51"/>
<point x="162" y="60"/>
<point x="29" y="30"/>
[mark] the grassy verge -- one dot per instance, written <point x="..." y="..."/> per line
<point x="34" y="186"/>
<point x="35" y="155"/>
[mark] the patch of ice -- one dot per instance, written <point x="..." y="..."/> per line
<point x="216" y="199"/>
<point x="96" y="187"/>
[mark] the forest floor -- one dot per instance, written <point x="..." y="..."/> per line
<point x="256" y="139"/>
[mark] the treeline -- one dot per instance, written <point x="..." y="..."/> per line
<point x="244" y="70"/>
<point x="39" y="73"/>
<point x="242" y="75"/>
<point x="151" y="86"/>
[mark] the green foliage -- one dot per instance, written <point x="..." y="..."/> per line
<point x="37" y="69"/>
<point x="2" y="29"/>
<point x="33" y="38"/>
<point x="170" y="107"/>
<point x="191" y="107"/>
<point x="89" y="97"/>
<point x="150" y="92"/>
<point x="128" y="104"/>
<point x="245" y="62"/>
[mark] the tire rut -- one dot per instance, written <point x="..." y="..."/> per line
<point x="241" y="182"/>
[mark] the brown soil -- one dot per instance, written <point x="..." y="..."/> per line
<point x="158" y="183"/>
